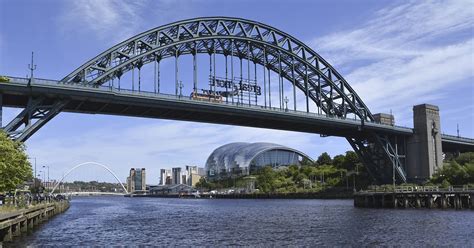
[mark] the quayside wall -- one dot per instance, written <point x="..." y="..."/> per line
<point x="18" y="222"/>
<point x="428" y="200"/>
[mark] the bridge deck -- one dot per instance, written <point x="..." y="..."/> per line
<point x="105" y="100"/>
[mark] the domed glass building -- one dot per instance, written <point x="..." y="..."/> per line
<point x="237" y="159"/>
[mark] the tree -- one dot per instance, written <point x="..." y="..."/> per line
<point x="324" y="158"/>
<point x="350" y="160"/>
<point x="15" y="168"/>
<point x="454" y="173"/>
<point x="306" y="161"/>
<point x="338" y="161"/>
<point x="464" y="158"/>
<point x="265" y="179"/>
<point x="204" y="184"/>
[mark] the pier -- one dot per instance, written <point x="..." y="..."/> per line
<point x="15" y="223"/>
<point x="402" y="199"/>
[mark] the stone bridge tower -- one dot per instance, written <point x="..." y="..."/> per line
<point x="424" y="153"/>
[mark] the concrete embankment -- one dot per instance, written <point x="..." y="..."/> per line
<point x="428" y="200"/>
<point x="14" y="223"/>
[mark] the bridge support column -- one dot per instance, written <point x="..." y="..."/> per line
<point x="424" y="153"/>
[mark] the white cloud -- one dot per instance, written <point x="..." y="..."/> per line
<point x="398" y="32"/>
<point x="106" y="19"/>
<point x="114" y="21"/>
<point x="405" y="54"/>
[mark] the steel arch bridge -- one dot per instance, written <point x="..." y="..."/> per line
<point x="89" y="163"/>
<point x="329" y="104"/>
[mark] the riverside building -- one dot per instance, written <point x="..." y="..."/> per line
<point x="166" y="177"/>
<point x="194" y="174"/>
<point x="240" y="159"/>
<point x="189" y="175"/>
<point x="176" y="175"/>
<point x="136" y="182"/>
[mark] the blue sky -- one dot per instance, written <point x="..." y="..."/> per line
<point x="395" y="54"/>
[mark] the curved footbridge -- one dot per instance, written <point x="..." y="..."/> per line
<point x="94" y="194"/>
<point x="15" y="223"/>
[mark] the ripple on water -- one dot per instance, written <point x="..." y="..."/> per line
<point x="203" y="222"/>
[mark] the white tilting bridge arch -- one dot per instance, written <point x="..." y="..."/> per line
<point x="95" y="163"/>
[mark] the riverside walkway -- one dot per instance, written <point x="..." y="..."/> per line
<point x="16" y="222"/>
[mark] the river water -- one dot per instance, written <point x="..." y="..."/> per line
<point x="228" y="222"/>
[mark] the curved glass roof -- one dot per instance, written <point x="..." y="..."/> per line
<point x="239" y="155"/>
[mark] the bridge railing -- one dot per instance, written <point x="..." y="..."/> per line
<point x="415" y="188"/>
<point x="10" y="200"/>
<point x="104" y="88"/>
<point x="453" y="137"/>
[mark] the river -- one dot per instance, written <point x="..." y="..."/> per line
<point x="228" y="222"/>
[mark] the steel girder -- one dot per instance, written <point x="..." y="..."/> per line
<point x="242" y="38"/>
<point x="382" y="157"/>
<point x="37" y="112"/>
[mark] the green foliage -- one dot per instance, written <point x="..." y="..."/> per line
<point x="445" y="183"/>
<point x="324" y="158"/>
<point x="338" y="161"/>
<point x="465" y="158"/>
<point x="458" y="171"/>
<point x="204" y="184"/>
<point x="306" y="161"/>
<point x="298" y="178"/>
<point x="15" y="168"/>
<point x="93" y="186"/>
<point x="351" y="160"/>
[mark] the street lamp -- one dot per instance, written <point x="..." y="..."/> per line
<point x="44" y="178"/>
<point x="47" y="166"/>
<point x="34" y="173"/>
<point x="39" y="176"/>
<point x="181" y="85"/>
<point x="286" y="103"/>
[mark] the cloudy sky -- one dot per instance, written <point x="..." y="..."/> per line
<point x="395" y="54"/>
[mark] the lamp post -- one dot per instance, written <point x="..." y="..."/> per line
<point x="34" y="172"/>
<point x="181" y="85"/>
<point x="47" y="166"/>
<point x="39" y="176"/>
<point x="44" y="178"/>
<point x="286" y="103"/>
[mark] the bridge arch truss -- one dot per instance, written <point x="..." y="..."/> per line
<point x="261" y="44"/>
<point x="235" y="39"/>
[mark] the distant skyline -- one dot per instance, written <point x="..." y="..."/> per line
<point x="395" y="54"/>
